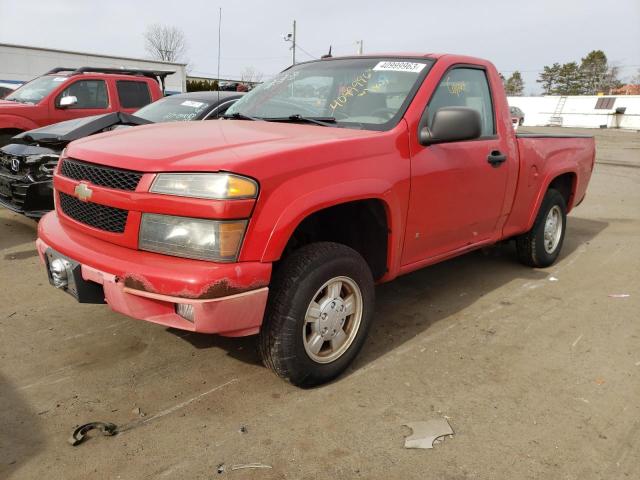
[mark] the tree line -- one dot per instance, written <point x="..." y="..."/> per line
<point x="201" y="85"/>
<point x="591" y="76"/>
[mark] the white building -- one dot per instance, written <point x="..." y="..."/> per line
<point x="19" y="64"/>
<point x="586" y="111"/>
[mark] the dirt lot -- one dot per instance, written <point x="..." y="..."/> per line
<point x="540" y="378"/>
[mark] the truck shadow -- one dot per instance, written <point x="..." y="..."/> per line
<point x="21" y="436"/>
<point x="413" y="303"/>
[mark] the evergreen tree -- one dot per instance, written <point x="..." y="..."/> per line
<point x="593" y="72"/>
<point x="549" y="78"/>
<point x="569" y="80"/>
<point x="514" y="86"/>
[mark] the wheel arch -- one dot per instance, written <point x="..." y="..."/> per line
<point x="565" y="182"/>
<point x="16" y="122"/>
<point x="378" y="197"/>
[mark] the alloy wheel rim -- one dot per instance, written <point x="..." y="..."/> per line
<point x="332" y="319"/>
<point x="552" y="229"/>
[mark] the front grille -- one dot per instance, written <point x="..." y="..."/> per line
<point x="98" y="175"/>
<point x="110" y="219"/>
<point x="14" y="191"/>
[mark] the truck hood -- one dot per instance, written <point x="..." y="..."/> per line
<point x="58" y="135"/>
<point x="204" y="146"/>
<point x="8" y="107"/>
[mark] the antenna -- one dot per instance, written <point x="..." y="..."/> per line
<point x="328" y="55"/>
<point x="219" y="48"/>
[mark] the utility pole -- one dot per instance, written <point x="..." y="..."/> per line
<point x="291" y="37"/>
<point x="294" y="42"/>
<point x="360" y="47"/>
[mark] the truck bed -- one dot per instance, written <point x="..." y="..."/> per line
<point x="551" y="135"/>
<point x="542" y="158"/>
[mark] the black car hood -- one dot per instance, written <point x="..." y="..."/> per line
<point x="58" y="135"/>
<point x="22" y="150"/>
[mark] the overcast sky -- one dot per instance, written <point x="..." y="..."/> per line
<point x="515" y="35"/>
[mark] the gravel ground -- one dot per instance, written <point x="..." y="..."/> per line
<point x="538" y="371"/>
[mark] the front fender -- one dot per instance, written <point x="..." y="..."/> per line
<point x="16" y="122"/>
<point x="268" y="239"/>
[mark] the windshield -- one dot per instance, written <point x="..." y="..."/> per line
<point x="172" y="109"/>
<point x="36" y="90"/>
<point x="370" y="93"/>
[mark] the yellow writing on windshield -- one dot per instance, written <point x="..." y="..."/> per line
<point x="456" y="88"/>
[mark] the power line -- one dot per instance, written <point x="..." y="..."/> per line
<point x="304" y="51"/>
<point x="620" y="67"/>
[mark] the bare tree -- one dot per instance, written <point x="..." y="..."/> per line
<point x="251" y="75"/>
<point x="166" y="43"/>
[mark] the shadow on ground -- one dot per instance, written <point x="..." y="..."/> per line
<point x="413" y="303"/>
<point x="21" y="436"/>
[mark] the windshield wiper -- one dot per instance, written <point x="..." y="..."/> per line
<point x="324" y="121"/>
<point x="242" y="116"/>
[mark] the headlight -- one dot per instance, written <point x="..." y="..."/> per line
<point x="191" y="237"/>
<point x="217" y="186"/>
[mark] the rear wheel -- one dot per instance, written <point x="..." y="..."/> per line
<point x="541" y="245"/>
<point x="319" y="312"/>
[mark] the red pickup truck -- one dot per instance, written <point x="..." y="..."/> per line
<point x="68" y="93"/>
<point x="333" y="176"/>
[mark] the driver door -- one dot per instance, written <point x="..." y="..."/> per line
<point x="92" y="99"/>
<point x="456" y="194"/>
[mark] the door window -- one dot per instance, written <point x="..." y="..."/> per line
<point x="465" y="87"/>
<point x="90" y="94"/>
<point x="133" y="94"/>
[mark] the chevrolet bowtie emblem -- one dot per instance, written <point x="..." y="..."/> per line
<point x="83" y="192"/>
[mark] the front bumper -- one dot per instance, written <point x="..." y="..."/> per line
<point x="33" y="199"/>
<point x="227" y="299"/>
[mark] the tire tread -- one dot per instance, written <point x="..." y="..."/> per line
<point x="274" y="346"/>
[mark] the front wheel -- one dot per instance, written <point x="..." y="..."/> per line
<point x="319" y="312"/>
<point x="541" y="245"/>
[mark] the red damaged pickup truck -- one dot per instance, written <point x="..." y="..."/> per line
<point x="68" y="93"/>
<point x="333" y="176"/>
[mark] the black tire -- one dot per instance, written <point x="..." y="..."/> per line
<point x="295" y="283"/>
<point x="531" y="245"/>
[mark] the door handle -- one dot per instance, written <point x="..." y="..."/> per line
<point x="496" y="158"/>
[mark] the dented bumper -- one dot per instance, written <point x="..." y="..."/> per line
<point x="228" y="299"/>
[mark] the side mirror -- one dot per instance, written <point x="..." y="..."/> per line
<point x="68" y="101"/>
<point x="452" y="124"/>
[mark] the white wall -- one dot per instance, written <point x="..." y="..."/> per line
<point x="20" y="63"/>
<point x="579" y="111"/>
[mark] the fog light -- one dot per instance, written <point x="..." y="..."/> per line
<point x="60" y="272"/>
<point x="186" y="311"/>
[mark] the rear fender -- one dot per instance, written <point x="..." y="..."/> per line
<point x="545" y="187"/>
